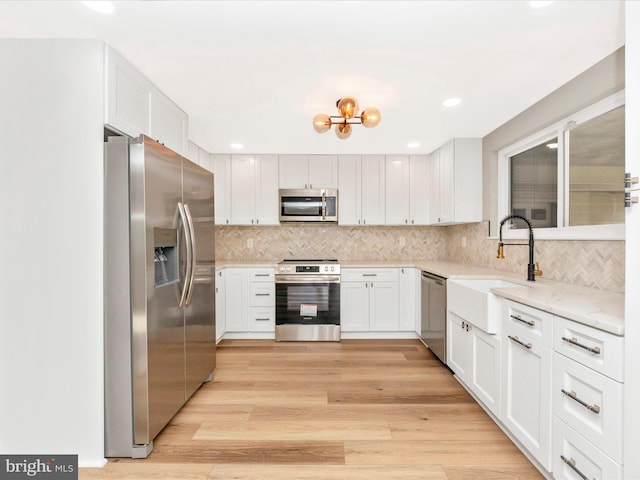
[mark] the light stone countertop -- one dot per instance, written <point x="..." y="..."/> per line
<point x="600" y="309"/>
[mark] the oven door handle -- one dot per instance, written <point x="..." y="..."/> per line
<point x="307" y="278"/>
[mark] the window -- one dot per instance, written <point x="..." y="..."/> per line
<point x="568" y="179"/>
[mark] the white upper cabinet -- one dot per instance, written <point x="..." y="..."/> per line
<point x="418" y="190"/>
<point x="397" y="189"/>
<point x="192" y="152"/>
<point x="204" y="159"/>
<point x="168" y="124"/>
<point x="294" y="171"/>
<point x="134" y="106"/>
<point x="361" y="189"/>
<point x="373" y="189"/>
<point x="407" y="192"/>
<point x="199" y="156"/>
<point x="308" y="171"/>
<point x="323" y="171"/>
<point x="455" y="181"/>
<point x="349" y="190"/>
<point x="128" y="96"/>
<point x="254" y="190"/>
<point x="221" y="166"/>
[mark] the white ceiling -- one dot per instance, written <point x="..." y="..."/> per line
<point x="257" y="72"/>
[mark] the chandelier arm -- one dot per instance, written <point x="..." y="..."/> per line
<point x="353" y="120"/>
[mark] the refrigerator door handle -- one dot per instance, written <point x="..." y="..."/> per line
<point x="192" y="234"/>
<point x="187" y="238"/>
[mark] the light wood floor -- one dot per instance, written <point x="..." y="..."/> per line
<point x="359" y="409"/>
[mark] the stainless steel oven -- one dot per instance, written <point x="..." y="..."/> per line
<point x="308" y="300"/>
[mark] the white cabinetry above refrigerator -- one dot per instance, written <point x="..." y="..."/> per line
<point x="134" y="106"/>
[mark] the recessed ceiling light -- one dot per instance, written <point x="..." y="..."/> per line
<point x="104" y="7"/>
<point x="540" y="3"/>
<point x="413" y="145"/>
<point x="237" y="145"/>
<point x="451" y="102"/>
<point x="552" y="145"/>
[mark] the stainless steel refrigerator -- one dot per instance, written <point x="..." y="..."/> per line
<point x="159" y="289"/>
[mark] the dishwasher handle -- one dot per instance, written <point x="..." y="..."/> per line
<point x="433" y="278"/>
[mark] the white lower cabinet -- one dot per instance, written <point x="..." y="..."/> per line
<point x="486" y="362"/>
<point x="262" y="300"/>
<point x="220" y="305"/>
<point x="410" y="300"/>
<point x="526" y="392"/>
<point x="553" y="384"/>
<point x="458" y="346"/>
<point x="369" y="300"/>
<point x="249" y="297"/>
<point x="475" y="357"/>
<point x="236" y="299"/>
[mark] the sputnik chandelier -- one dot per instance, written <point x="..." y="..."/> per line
<point x="348" y="109"/>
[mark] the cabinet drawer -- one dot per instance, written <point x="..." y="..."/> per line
<point x="262" y="294"/>
<point x="602" y="351"/>
<point x="261" y="275"/>
<point x="571" y="448"/>
<point x="370" y="275"/>
<point x="529" y="321"/>
<point x="262" y="319"/>
<point x="590" y="403"/>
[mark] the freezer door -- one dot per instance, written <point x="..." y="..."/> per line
<point x="157" y="240"/>
<point x="200" y="329"/>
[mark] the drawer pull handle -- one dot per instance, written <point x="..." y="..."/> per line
<point x="262" y="294"/>
<point x="531" y="323"/>
<point x="261" y="275"/>
<point x="369" y="274"/>
<point x="575" y="342"/>
<point x="574" y="396"/>
<point x="528" y="346"/>
<point x="572" y="465"/>
<point x="262" y="319"/>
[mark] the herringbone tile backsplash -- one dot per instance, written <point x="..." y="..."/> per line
<point x="598" y="264"/>
<point x="328" y="241"/>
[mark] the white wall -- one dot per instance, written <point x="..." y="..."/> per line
<point x="51" y="237"/>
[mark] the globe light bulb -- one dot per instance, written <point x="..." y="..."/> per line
<point x="348" y="107"/>
<point x="321" y="123"/>
<point x="343" y="130"/>
<point x="370" y="117"/>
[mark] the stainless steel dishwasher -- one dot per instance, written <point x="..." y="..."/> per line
<point x="433" y="316"/>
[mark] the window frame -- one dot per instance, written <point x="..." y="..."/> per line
<point x="560" y="129"/>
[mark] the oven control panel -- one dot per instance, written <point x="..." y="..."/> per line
<point x="292" y="268"/>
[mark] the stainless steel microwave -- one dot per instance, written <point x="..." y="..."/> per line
<point x="308" y="205"/>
